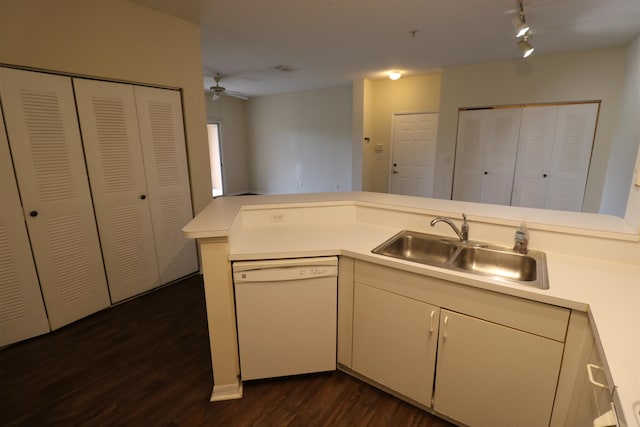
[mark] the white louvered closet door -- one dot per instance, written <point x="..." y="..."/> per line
<point x="571" y="158"/>
<point x="109" y="124"/>
<point x="42" y="127"/>
<point x="500" y="151"/>
<point x="22" y="313"/>
<point x="469" y="164"/>
<point x="165" y="163"/>
<point x="535" y="149"/>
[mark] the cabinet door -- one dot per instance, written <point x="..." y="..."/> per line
<point x="593" y="400"/>
<point x="165" y="163"/>
<point x="22" y="312"/>
<point x="109" y="124"/>
<point x="491" y="375"/>
<point x="43" y="133"/>
<point x="394" y="341"/>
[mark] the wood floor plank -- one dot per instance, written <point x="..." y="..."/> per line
<point x="146" y="362"/>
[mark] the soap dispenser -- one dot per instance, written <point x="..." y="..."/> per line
<point x="521" y="241"/>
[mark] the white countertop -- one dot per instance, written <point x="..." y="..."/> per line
<point x="608" y="291"/>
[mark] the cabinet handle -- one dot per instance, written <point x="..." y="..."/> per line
<point x="544" y="175"/>
<point x="590" y="368"/>
<point x="444" y="330"/>
<point x="432" y="327"/>
<point x="33" y="213"/>
<point x="143" y="197"/>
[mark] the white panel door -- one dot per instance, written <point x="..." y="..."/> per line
<point x="22" y="313"/>
<point x="414" y="151"/>
<point x="165" y="162"/>
<point x="109" y="124"/>
<point x="571" y="158"/>
<point x="491" y="375"/>
<point x="394" y="341"/>
<point x="43" y="132"/>
<point x="535" y="148"/>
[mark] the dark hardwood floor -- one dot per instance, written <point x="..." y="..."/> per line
<point x="146" y="363"/>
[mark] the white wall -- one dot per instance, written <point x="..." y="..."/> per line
<point x="300" y="142"/>
<point x="231" y="114"/>
<point x="625" y="140"/>
<point x="407" y="95"/>
<point x="630" y="138"/>
<point x="115" y="40"/>
<point x="578" y="76"/>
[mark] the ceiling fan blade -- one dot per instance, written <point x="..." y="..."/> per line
<point x="236" y="95"/>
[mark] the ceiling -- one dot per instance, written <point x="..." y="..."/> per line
<point x="267" y="47"/>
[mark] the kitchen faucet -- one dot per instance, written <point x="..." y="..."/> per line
<point x="462" y="234"/>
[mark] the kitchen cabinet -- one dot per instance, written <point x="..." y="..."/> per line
<point x="394" y="341"/>
<point x="591" y="399"/>
<point x="44" y="138"/>
<point x="498" y="357"/>
<point x="492" y="375"/>
<point x="22" y="313"/>
<point x="486" y="155"/>
<point x="136" y="159"/>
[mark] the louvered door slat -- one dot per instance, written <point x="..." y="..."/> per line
<point x="108" y="120"/>
<point x="45" y="142"/>
<point x="165" y="161"/>
<point x="22" y="313"/>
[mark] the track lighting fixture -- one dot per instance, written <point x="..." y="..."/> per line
<point x="525" y="47"/>
<point x="523" y="31"/>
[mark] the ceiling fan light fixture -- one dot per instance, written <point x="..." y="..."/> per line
<point x="395" y="75"/>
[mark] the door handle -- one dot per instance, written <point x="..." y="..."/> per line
<point x="432" y="327"/>
<point x="445" y="329"/>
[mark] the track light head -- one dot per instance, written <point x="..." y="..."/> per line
<point x="525" y="47"/>
<point x="522" y="29"/>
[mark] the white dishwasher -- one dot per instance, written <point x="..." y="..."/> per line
<point x="286" y="313"/>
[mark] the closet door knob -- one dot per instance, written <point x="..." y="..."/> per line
<point x="33" y="213"/>
<point x="143" y="197"/>
<point x="544" y="175"/>
<point x="486" y="173"/>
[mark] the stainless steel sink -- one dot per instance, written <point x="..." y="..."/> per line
<point x="486" y="260"/>
<point x="418" y="247"/>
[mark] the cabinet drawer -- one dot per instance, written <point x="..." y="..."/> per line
<point x="530" y="316"/>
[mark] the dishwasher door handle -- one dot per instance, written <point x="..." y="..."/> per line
<point x="285" y="274"/>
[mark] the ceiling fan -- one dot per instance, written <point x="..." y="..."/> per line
<point x="217" y="91"/>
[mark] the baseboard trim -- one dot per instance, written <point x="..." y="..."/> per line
<point x="227" y="392"/>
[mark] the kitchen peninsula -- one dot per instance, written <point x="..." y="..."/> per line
<point x="593" y="266"/>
